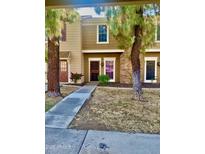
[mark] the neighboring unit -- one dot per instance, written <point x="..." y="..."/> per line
<point x="88" y="47"/>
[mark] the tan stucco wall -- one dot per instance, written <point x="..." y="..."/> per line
<point x="117" y="64"/>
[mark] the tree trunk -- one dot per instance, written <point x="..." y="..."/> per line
<point x="135" y="59"/>
<point x="53" y="67"/>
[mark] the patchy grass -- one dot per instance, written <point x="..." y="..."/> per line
<point x="51" y="101"/>
<point x="119" y="110"/>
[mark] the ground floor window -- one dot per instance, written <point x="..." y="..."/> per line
<point x="150" y="69"/>
<point x="63" y="66"/>
<point x="109" y="68"/>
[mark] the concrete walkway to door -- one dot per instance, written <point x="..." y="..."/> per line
<point x="63" y="112"/>
<point x="60" y="140"/>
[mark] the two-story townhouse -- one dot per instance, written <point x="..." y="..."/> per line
<point x="88" y="47"/>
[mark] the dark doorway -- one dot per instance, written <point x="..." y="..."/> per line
<point x="94" y="70"/>
<point x="150" y="74"/>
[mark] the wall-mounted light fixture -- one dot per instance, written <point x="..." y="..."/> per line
<point x="102" y="64"/>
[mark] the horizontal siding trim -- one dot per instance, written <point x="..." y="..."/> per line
<point x="152" y="50"/>
<point x="103" y="51"/>
<point x="91" y="24"/>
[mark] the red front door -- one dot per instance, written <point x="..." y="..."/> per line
<point x="63" y="71"/>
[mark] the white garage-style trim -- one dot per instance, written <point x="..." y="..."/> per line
<point x="110" y="59"/>
<point x="93" y="59"/>
<point x="145" y="69"/>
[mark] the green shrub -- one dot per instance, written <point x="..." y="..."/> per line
<point x="75" y="77"/>
<point x="103" y="79"/>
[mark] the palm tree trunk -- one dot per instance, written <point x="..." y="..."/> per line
<point x="53" y="67"/>
<point x="135" y="60"/>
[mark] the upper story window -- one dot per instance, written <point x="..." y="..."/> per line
<point x="157" y="35"/>
<point x="102" y="34"/>
<point x="63" y="33"/>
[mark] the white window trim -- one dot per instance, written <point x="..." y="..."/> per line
<point x="157" y="41"/>
<point x="145" y="69"/>
<point x="93" y="59"/>
<point x="97" y="36"/>
<point x="69" y="72"/>
<point x="110" y="59"/>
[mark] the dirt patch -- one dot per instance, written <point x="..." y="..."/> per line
<point x="119" y="110"/>
<point x="51" y="101"/>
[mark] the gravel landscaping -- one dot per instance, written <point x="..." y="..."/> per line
<point x="65" y="90"/>
<point x="118" y="109"/>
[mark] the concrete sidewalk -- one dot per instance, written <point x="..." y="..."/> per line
<point x="109" y="142"/>
<point x="63" y="141"/>
<point x="70" y="141"/>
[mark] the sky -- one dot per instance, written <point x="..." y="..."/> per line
<point x="89" y="11"/>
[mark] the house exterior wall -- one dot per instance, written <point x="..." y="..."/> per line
<point x="142" y="58"/>
<point x="102" y="56"/>
<point x="156" y="45"/>
<point x="73" y="44"/>
<point x="126" y="67"/>
<point x="82" y="35"/>
<point x="89" y="35"/>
